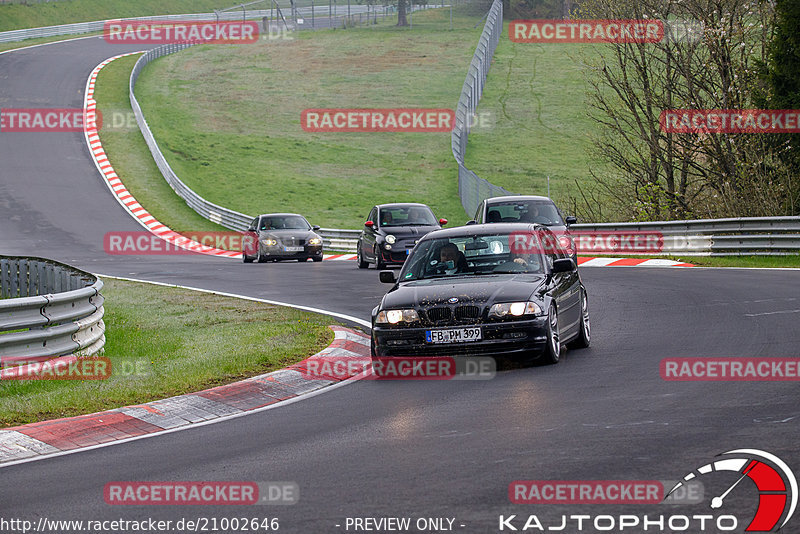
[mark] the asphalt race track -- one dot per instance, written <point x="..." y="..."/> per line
<point x="403" y="448"/>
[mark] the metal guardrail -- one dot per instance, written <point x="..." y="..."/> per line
<point x="336" y="239"/>
<point x="716" y="237"/>
<point x="48" y="309"/>
<point x="472" y="189"/>
<point x="96" y="26"/>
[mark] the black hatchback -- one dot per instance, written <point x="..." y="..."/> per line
<point x="391" y="231"/>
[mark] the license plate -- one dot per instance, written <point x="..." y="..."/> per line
<point x="408" y="251"/>
<point x="453" y="335"/>
<point x="293" y="249"/>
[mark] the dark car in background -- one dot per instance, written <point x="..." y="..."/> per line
<point x="489" y="289"/>
<point x="528" y="209"/>
<point x="281" y="236"/>
<point x="391" y="231"/>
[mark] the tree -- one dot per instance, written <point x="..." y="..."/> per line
<point x="781" y="76"/>
<point x="661" y="175"/>
<point x="401" y="13"/>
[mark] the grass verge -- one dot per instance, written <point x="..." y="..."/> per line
<point x="228" y="119"/>
<point x="792" y="260"/>
<point x="187" y="341"/>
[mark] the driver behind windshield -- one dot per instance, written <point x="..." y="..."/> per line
<point x="519" y="262"/>
<point x="452" y="259"/>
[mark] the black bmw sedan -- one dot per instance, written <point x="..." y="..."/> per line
<point x="391" y="231"/>
<point x="282" y="236"/>
<point x="486" y="289"/>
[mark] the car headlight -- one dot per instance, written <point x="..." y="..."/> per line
<point x="315" y="241"/>
<point x="567" y="243"/>
<point x="269" y="242"/>
<point x="514" y="309"/>
<point x="391" y="239"/>
<point x="396" y="316"/>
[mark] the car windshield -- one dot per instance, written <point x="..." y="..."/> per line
<point x="473" y="255"/>
<point x="524" y="211"/>
<point x="407" y="216"/>
<point x="284" y="222"/>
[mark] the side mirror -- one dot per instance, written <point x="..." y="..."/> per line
<point x="251" y="229"/>
<point x="571" y="220"/>
<point x="369" y="224"/>
<point x="470" y="222"/>
<point x="442" y="221"/>
<point x="315" y="227"/>
<point x="564" y="265"/>
<point x="387" y="277"/>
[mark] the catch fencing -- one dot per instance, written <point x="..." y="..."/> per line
<point x="472" y="189"/>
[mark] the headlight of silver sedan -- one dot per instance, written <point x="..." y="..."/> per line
<point x="396" y="316"/>
<point x="514" y="309"/>
<point x="315" y="241"/>
<point x="269" y="242"/>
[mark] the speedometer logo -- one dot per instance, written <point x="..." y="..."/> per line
<point x="777" y="485"/>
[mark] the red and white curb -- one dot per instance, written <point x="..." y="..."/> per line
<point x="629" y="262"/>
<point x="118" y="189"/>
<point x="231" y="400"/>
<point x="586" y="261"/>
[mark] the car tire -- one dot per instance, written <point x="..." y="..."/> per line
<point x="246" y="258"/>
<point x="585" y="334"/>
<point x="552" y="351"/>
<point x="262" y="258"/>
<point x="378" y="261"/>
<point x="301" y="260"/>
<point x="362" y="264"/>
<point x="316" y="258"/>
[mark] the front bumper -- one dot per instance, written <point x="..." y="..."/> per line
<point x="513" y="337"/>
<point x="395" y="256"/>
<point x="279" y="252"/>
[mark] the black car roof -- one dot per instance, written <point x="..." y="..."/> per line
<point x="403" y="205"/>
<point x="517" y="197"/>
<point x="483" y="229"/>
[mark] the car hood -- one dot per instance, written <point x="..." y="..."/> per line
<point x="478" y="290"/>
<point x="408" y="231"/>
<point x="283" y="234"/>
